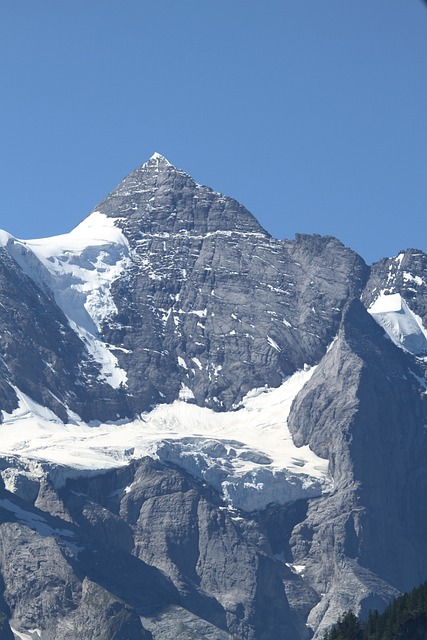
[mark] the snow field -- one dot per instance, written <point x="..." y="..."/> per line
<point x="247" y="455"/>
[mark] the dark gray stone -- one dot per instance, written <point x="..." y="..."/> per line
<point x="211" y="301"/>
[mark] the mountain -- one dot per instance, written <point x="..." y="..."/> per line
<point x="405" y="618"/>
<point x="205" y="431"/>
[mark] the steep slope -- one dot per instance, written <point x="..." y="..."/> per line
<point x="174" y="289"/>
<point x="213" y="302"/>
<point x="209" y="430"/>
<point x="406" y="617"/>
<point x="41" y="355"/>
<point x="365" y="409"/>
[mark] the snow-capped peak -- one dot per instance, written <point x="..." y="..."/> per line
<point x="157" y="157"/>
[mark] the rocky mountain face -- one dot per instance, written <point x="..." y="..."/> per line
<point x="206" y="432"/>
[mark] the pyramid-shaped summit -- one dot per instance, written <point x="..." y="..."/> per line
<point x="237" y="449"/>
<point x="159" y="198"/>
<point x="159" y="159"/>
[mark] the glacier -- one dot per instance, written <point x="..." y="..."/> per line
<point x="248" y="455"/>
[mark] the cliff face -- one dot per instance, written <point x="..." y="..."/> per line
<point x="206" y="430"/>
<point x="208" y="284"/>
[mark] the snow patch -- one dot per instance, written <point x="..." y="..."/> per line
<point x="273" y="344"/>
<point x="296" y="568"/>
<point x="185" y="393"/>
<point x="157" y="157"/>
<point x="408" y="277"/>
<point x="110" y="369"/>
<point x="402" y="325"/>
<point x="182" y="363"/>
<point x="197" y="363"/>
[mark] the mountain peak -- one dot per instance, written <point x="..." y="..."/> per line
<point x="157" y="158"/>
<point x="159" y="198"/>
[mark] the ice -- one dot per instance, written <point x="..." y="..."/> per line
<point x="247" y="455"/>
<point x="80" y="267"/>
<point x="402" y="325"/>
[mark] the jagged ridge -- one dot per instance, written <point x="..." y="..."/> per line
<point x="169" y="290"/>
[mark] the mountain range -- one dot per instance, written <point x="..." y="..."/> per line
<point x="206" y="432"/>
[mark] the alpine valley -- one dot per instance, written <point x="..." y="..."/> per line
<point x="206" y="432"/>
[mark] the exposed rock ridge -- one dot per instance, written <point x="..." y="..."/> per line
<point x="207" y="306"/>
<point x="159" y="198"/>
<point x="209" y="285"/>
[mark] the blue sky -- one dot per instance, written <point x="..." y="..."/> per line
<point x="311" y="113"/>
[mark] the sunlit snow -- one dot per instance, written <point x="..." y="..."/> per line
<point x="80" y="267"/>
<point x="401" y="324"/>
<point x="248" y="455"/>
<point x="408" y="277"/>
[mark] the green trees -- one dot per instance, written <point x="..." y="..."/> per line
<point x="348" y="627"/>
<point x="404" y="619"/>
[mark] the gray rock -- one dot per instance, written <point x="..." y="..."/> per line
<point x="41" y="354"/>
<point x="364" y="410"/>
<point x="210" y="302"/>
<point x="181" y="528"/>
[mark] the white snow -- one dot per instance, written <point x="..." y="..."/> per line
<point x="273" y="344"/>
<point x="80" y="267"/>
<point x="296" y="568"/>
<point x="408" y="277"/>
<point x="4" y="238"/>
<point x="182" y="363"/>
<point x="185" y="393"/>
<point x="402" y="325"/>
<point x="197" y="363"/>
<point x="247" y="454"/>
<point x="159" y="158"/>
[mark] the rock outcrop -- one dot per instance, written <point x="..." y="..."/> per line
<point x="169" y="291"/>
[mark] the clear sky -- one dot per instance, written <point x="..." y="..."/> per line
<point x="312" y="113"/>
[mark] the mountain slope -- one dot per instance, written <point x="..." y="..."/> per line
<point x="405" y="617"/>
<point x="234" y="423"/>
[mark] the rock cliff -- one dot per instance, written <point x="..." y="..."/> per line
<point x="206" y="432"/>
